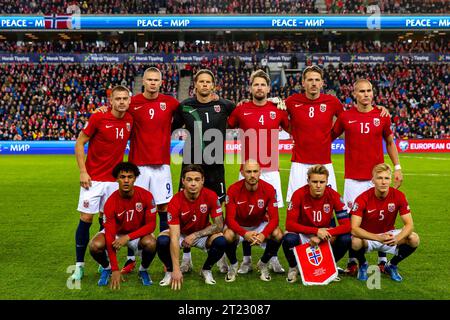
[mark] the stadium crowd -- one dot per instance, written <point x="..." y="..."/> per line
<point x="221" y="7"/>
<point x="53" y="102"/>
<point x="312" y="44"/>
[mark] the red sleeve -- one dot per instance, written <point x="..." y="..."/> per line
<point x="359" y="207"/>
<point x="386" y="127"/>
<point x="91" y="125"/>
<point x="284" y="120"/>
<point x="233" y="119"/>
<point x="150" y="220"/>
<point x="288" y="103"/>
<point x="173" y="211"/>
<point x="338" y="128"/>
<point x="342" y="216"/>
<point x="293" y="216"/>
<point x="174" y="104"/>
<point x="403" y="204"/>
<point x="338" y="107"/>
<point x="230" y="208"/>
<point x="110" y="233"/>
<point x="216" y="207"/>
<point x="272" y="211"/>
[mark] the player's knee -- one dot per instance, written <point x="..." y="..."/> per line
<point x="219" y="243"/>
<point x="357" y="243"/>
<point x="163" y="243"/>
<point x="277" y="235"/>
<point x="148" y="243"/>
<point x="96" y="246"/>
<point x="291" y="240"/>
<point x="85" y="217"/>
<point x="413" y="240"/>
<point x="229" y="235"/>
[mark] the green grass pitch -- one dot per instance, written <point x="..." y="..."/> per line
<point x="39" y="196"/>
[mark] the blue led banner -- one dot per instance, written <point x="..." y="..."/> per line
<point x="127" y="22"/>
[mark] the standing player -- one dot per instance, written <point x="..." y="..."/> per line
<point x="311" y="119"/>
<point x="309" y="219"/>
<point x="130" y="219"/>
<point x="260" y="121"/>
<point x="373" y="224"/>
<point x="107" y="134"/>
<point x="365" y="131"/>
<point x="150" y="145"/>
<point x="189" y="216"/>
<point x="200" y="114"/>
<point x="252" y="214"/>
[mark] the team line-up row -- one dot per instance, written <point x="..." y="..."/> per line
<point x="148" y="119"/>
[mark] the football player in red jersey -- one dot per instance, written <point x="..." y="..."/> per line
<point x="189" y="214"/>
<point x="252" y="215"/>
<point x="365" y="129"/>
<point x="373" y="224"/>
<point x="309" y="219"/>
<point x="107" y="134"/>
<point x="130" y="219"/>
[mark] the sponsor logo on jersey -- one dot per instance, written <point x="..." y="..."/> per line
<point x="326" y="208"/>
<point x="137" y="108"/>
<point x="86" y="203"/>
<point x="217" y="108"/>
<point x="376" y="122"/>
<point x="203" y="208"/>
<point x="260" y="203"/>
<point x="391" y="207"/>
<point x="323" y="107"/>
<point x="128" y="126"/>
<point x="139" y="206"/>
<point x="314" y="255"/>
<point x="110" y="126"/>
<point x="273" y="115"/>
<point x="163" y="106"/>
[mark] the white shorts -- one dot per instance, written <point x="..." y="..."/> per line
<point x="258" y="229"/>
<point x="379" y="246"/>
<point x="158" y="180"/>
<point x="93" y="200"/>
<point x="353" y="188"/>
<point x="198" y="243"/>
<point x="272" y="177"/>
<point x="132" y="244"/>
<point x="298" y="177"/>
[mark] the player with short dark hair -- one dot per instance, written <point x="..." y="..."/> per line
<point x="130" y="219"/>
<point x="189" y="214"/>
<point x="107" y="134"/>
<point x="373" y="224"/>
<point x="252" y="214"/>
<point x="365" y="129"/>
<point x="309" y="219"/>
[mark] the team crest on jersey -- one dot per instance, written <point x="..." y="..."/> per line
<point x="314" y="255"/>
<point x="163" y="106"/>
<point x="139" y="206"/>
<point x="323" y="107"/>
<point x="273" y="115"/>
<point x="260" y="203"/>
<point x="391" y="207"/>
<point x="326" y="208"/>
<point x="217" y="108"/>
<point x="86" y="203"/>
<point x="128" y="126"/>
<point x="376" y="122"/>
<point x="203" y="208"/>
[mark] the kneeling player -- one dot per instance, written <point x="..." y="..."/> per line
<point x="189" y="214"/>
<point x="130" y="219"/>
<point x="373" y="219"/>
<point x="309" y="218"/>
<point x="252" y="215"/>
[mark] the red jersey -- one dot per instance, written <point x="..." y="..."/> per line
<point x="311" y="123"/>
<point x="108" y="137"/>
<point x="248" y="117"/>
<point x="364" y="133"/>
<point x="194" y="215"/>
<point x="378" y="215"/>
<point x="150" y="139"/>
<point x="135" y="217"/>
<point x="250" y="208"/>
<point x="307" y="214"/>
